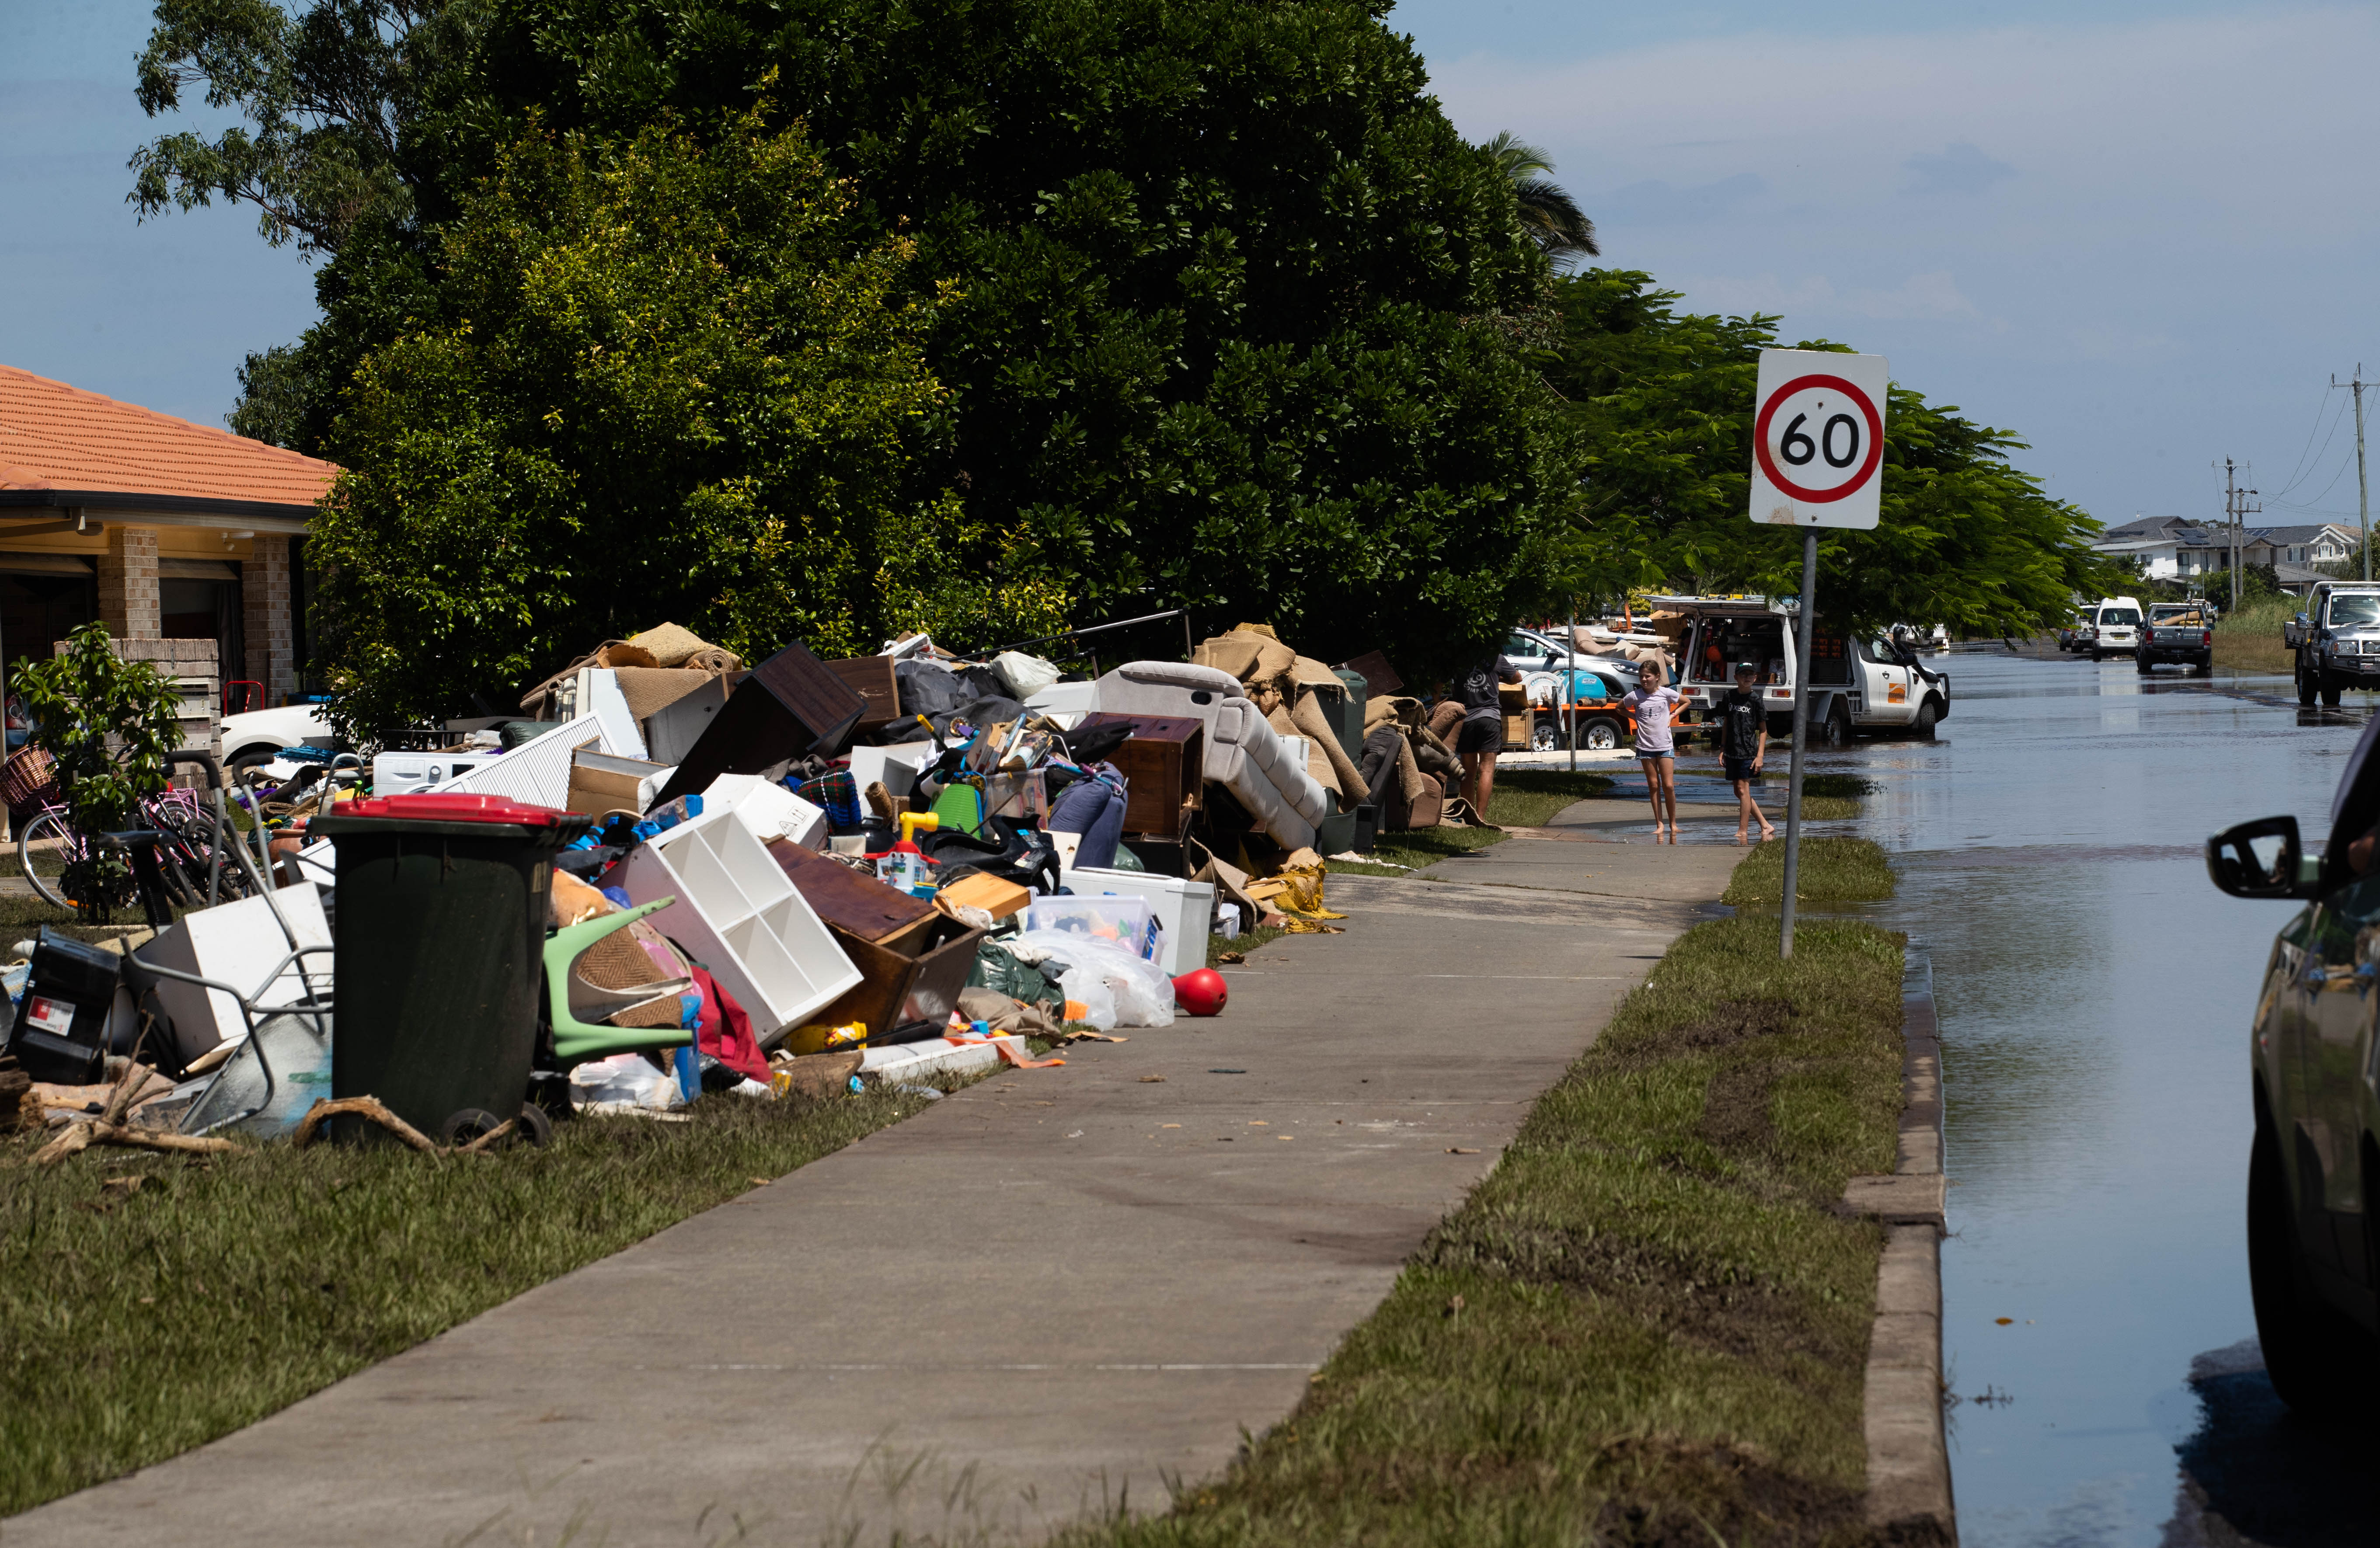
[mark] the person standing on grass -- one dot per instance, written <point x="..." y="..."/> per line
<point x="1742" y="743"/>
<point x="1653" y="705"/>
<point x="1482" y="734"/>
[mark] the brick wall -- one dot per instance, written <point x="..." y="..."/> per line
<point x="190" y="664"/>
<point x="264" y="600"/>
<point x="128" y="584"/>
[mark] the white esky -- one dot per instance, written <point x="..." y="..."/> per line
<point x="2138" y="234"/>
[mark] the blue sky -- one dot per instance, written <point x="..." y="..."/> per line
<point x="2141" y="235"/>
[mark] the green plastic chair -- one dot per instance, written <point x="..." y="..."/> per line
<point x="574" y="1041"/>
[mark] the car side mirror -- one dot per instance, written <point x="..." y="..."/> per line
<point x="2260" y="859"/>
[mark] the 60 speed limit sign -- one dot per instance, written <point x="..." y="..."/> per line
<point x="1817" y="439"/>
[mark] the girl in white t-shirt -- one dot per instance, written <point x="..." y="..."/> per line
<point x="1653" y="706"/>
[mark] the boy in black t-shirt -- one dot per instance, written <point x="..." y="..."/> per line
<point x="1742" y="743"/>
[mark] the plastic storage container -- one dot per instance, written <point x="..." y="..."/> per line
<point x="739" y="914"/>
<point x="1128" y="921"/>
<point x="1185" y="910"/>
<point x="442" y="914"/>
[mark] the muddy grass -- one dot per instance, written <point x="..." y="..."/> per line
<point x="1648" y="1325"/>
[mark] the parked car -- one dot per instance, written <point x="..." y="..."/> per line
<point x="2070" y="633"/>
<point x="2313" y="1168"/>
<point x="2337" y="640"/>
<point x="2114" y="628"/>
<point x="255" y="736"/>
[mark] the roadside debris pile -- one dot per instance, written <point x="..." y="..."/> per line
<point x="674" y="874"/>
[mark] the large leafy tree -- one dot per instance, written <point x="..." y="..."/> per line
<point x="1665" y="400"/>
<point x="656" y="380"/>
<point x="1212" y="265"/>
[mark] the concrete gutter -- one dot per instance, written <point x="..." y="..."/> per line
<point x="1908" y="1453"/>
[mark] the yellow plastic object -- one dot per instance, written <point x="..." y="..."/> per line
<point x="574" y="1041"/>
<point x="816" y="1037"/>
<point x="912" y="821"/>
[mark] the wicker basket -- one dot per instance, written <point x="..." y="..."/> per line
<point x="27" y="778"/>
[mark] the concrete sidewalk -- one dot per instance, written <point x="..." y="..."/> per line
<point x="1049" y="1294"/>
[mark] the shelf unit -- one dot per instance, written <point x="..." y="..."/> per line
<point x="739" y="914"/>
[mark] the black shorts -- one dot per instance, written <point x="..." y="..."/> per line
<point x="1480" y="736"/>
<point x="1737" y="768"/>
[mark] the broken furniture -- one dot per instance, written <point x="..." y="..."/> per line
<point x="741" y="916"/>
<point x="789" y="707"/>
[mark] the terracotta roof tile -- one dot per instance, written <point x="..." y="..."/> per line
<point x="57" y="437"/>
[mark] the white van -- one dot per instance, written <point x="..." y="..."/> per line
<point x="2114" y="628"/>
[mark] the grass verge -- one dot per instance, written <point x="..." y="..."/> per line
<point x="148" y="1316"/>
<point x="1647" y="1325"/>
<point x="1832" y="871"/>
<point x="1524" y="798"/>
<point x="2250" y="639"/>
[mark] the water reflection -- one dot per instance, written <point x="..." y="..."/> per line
<point x="2095" y="992"/>
<point x="2251" y="1472"/>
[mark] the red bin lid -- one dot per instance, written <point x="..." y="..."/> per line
<point x="432" y="806"/>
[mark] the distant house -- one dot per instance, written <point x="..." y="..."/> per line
<point x="161" y="529"/>
<point x="2169" y="547"/>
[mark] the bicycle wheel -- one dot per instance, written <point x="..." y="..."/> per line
<point x="43" y="847"/>
<point x="44" y="850"/>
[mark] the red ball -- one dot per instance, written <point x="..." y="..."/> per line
<point x="1201" y="992"/>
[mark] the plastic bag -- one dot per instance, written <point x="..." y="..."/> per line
<point x="1084" y="987"/>
<point x="624" y="1083"/>
<point x="1142" y="993"/>
<point x="1024" y="675"/>
<point x="996" y="967"/>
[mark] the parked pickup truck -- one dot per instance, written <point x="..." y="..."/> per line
<point x="2337" y="640"/>
<point x="1871" y="684"/>
<point x="2177" y="633"/>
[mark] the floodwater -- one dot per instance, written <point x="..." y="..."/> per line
<point x="2095" y="993"/>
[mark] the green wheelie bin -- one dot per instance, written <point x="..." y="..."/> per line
<point x="442" y="910"/>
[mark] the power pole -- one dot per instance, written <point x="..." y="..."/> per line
<point x="2363" y="490"/>
<point x="2236" y="510"/>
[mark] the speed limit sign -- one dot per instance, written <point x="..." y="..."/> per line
<point x="1817" y="439"/>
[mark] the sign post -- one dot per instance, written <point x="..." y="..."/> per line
<point x="1817" y="460"/>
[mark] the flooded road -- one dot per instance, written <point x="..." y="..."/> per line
<point x="2095" y="992"/>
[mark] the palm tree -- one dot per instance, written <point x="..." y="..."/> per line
<point x="1551" y="217"/>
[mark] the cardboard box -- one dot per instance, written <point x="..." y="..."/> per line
<point x="1518" y="727"/>
<point x="601" y="783"/>
<point x="994" y="896"/>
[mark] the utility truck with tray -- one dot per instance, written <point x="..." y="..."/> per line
<point x="2179" y="632"/>
<point x="2337" y="640"/>
<point x="1871" y="684"/>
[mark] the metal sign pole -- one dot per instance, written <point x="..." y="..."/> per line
<point x="1800" y="735"/>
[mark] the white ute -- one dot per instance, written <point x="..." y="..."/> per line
<point x="1856" y="684"/>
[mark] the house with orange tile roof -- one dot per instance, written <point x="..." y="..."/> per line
<point x="164" y="529"/>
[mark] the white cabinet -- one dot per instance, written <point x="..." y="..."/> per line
<point x="739" y="915"/>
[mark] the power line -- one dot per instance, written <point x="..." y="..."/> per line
<point x="2304" y="470"/>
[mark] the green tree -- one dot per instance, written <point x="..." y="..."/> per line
<point x="1210" y="264"/>
<point x="658" y="379"/>
<point x="331" y="97"/>
<point x="107" y="724"/>
<point x="1664" y="402"/>
<point x="1548" y="214"/>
